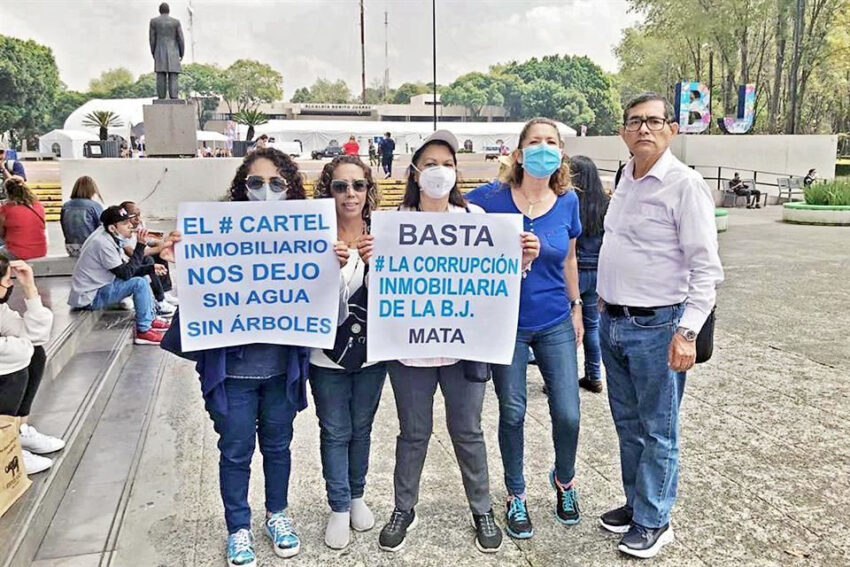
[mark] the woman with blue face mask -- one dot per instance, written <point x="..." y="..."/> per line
<point x="537" y="185"/>
<point x="253" y="392"/>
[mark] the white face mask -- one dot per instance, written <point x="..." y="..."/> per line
<point x="265" y="193"/>
<point x="437" y="181"/>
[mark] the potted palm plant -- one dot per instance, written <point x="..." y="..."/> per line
<point x="103" y="120"/>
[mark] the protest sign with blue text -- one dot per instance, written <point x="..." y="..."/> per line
<point x="257" y="272"/>
<point x="444" y="285"/>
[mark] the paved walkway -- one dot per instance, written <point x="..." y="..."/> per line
<point x="766" y="444"/>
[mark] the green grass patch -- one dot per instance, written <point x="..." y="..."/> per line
<point x="834" y="193"/>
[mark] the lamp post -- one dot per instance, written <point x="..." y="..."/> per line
<point x="434" y="56"/>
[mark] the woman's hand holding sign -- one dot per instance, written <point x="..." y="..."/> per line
<point x="530" y="248"/>
<point x="364" y="247"/>
<point x="342" y="252"/>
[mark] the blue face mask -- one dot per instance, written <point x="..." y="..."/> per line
<point x="541" y="160"/>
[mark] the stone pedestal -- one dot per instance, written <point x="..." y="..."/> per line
<point x="170" y="129"/>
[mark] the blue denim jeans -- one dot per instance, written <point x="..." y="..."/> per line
<point x="139" y="288"/>
<point x="645" y="395"/>
<point x="346" y="403"/>
<point x="590" y="317"/>
<point x="555" y="351"/>
<point x="256" y="408"/>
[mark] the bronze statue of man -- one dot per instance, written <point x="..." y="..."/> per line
<point x="167" y="48"/>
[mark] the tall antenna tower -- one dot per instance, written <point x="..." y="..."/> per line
<point x="191" y="11"/>
<point x="362" y="56"/>
<point x="386" y="55"/>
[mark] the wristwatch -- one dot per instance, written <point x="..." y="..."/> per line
<point x="687" y="334"/>
<point x="577" y="302"/>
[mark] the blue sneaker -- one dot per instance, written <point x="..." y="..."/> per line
<point x="284" y="539"/>
<point x="518" y="521"/>
<point x="567" y="511"/>
<point x="240" y="549"/>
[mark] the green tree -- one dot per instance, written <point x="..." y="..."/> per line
<point x="143" y="87"/>
<point x="324" y="91"/>
<point x="406" y="91"/>
<point x="29" y="84"/>
<point x="103" y="120"/>
<point x="206" y="85"/>
<point x="249" y="83"/>
<point x="474" y="91"/>
<point x="66" y="103"/>
<point x="250" y="118"/>
<point x="552" y="100"/>
<point x="111" y="80"/>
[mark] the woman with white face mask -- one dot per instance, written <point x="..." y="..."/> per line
<point x="537" y="185"/>
<point x="432" y="187"/>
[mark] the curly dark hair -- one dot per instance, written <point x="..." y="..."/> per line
<point x="411" y="190"/>
<point x="323" y="185"/>
<point x="559" y="182"/>
<point x="285" y="166"/>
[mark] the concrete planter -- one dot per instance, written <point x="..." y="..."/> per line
<point x="721" y="219"/>
<point x="801" y="213"/>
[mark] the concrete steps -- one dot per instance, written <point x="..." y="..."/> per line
<point x="85" y="356"/>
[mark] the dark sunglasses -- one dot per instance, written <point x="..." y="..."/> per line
<point x="340" y="186"/>
<point x="277" y="184"/>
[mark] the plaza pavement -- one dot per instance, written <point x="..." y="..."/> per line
<point x="765" y="445"/>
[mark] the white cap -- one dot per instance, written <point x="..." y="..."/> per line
<point x="441" y="136"/>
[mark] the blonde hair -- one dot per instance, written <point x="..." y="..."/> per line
<point x="560" y="182"/>
<point x="85" y="188"/>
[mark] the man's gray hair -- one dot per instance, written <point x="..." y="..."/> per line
<point x="649" y="97"/>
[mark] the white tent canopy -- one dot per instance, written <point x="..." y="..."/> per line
<point x="129" y="111"/>
<point x="209" y="136"/>
<point x="315" y="134"/>
<point x="65" y="143"/>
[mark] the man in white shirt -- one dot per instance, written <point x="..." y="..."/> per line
<point x="658" y="268"/>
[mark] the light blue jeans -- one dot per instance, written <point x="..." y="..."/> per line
<point x="645" y="395"/>
<point x="555" y="351"/>
<point x="139" y="288"/>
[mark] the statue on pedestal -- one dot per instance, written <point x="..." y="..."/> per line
<point x="167" y="48"/>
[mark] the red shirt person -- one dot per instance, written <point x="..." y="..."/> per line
<point x="22" y="222"/>
<point x="351" y="147"/>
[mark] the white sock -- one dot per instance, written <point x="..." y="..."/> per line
<point x="362" y="518"/>
<point x="336" y="533"/>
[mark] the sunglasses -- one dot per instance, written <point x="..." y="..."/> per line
<point x="340" y="186"/>
<point x="276" y="184"/>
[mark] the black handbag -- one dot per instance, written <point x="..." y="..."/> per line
<point x="705" y="339"/>
<point x="349" y="350"/>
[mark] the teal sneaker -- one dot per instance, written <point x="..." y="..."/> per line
<point x="517" y="519"/>
<point x="284" y="540"/>
<point x="567" y="511"/>
<point x="240" y="549"/>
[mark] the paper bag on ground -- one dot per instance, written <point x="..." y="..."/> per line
<point x="13" y="478"/>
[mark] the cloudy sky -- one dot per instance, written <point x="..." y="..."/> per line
<point x="307" y="39"/>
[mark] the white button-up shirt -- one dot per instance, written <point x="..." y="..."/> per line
<point x="660" y="244"/>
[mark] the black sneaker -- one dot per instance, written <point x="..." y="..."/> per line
<point x="393" y="535"/>
<point x="567" y="511"/>
<point x="518" y="520"/>
<point x="488" y="536"/>
<point x="645" y="542"/>
<point x="594" y="386"/>
<point x="618" y="520"/>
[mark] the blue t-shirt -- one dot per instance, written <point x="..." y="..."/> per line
<point x="543" y="300"/>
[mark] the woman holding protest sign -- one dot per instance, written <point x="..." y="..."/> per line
<point x="432" y="187"/>
<point x="537" y="185"/>
<point x="254" y="391"/>
<point x="346" y="388"/>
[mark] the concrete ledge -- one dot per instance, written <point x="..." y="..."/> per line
<point x="721" y="219"/>
<point x="801" y="213"/>
<point x="53" y="266"/>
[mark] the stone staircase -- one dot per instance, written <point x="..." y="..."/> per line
<point x="50" y="195"/>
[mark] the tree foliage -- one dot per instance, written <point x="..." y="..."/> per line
<point x="102" y="120"/>
<point x="323" y="90"/>
<point x="248" y="83"/>
<point x="111" y="80"/>
<point x="29" y="85"/>
<point x="250" y="117"/>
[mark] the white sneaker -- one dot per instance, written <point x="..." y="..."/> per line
<point x="127" y="304"/>
<point x="39" y="443"/>
<point x="34" y="464"/>
<point x="171" y="298"/>
<point x="165" y="309"/>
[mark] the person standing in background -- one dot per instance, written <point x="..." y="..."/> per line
<point x="387" y="147"/>
<point x="351" y="147"/>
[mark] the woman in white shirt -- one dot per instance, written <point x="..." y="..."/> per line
<point x="22" y="360"/>
<point x="432" y="186"/>
<point x="347" y="399"/>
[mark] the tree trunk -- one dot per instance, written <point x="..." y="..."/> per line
<point x="781" y="32"/>
<point x="250" y="135"/>
<point x="104" y="134"/>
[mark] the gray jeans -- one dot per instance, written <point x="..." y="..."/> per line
<point x="414" y="389"/>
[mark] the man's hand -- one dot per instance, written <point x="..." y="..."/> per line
<point x="682" y="354"/>
<point x="160" y="270"/>
<point x="23" y="272"/>
<point x="142" y="235"/>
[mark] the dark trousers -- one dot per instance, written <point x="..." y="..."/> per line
<point x="168" y="80"/>
<point x="388" y="165"/>
<point x="414" y="389"/>
<point x="17" y="390"/>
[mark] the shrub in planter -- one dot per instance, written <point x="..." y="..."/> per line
<point x="834" y="193"/>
